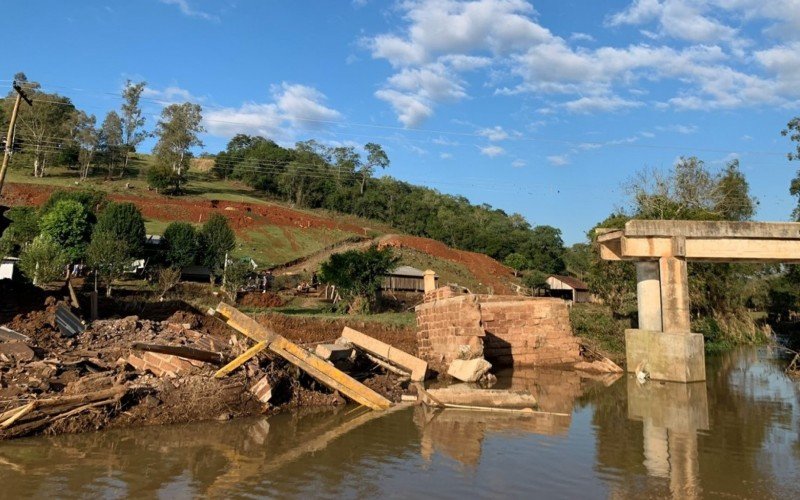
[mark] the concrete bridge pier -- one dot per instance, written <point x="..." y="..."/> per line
<point x="663" y="345"/>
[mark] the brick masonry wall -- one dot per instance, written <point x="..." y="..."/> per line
<point x="506" y="330"/>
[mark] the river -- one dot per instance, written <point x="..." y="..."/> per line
<point x="735" y="436"/>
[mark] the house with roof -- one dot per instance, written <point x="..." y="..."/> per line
<point x="569" y="288"/>
<point x="405" y="279"/>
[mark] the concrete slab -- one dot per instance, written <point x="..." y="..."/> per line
<point x="673" y="357"/>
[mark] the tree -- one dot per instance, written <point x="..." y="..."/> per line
<point x="46" y="126"/>
<point x="168" y="278"/>
<point x="109" y="256"/>
<point x="43" y="260"/>
<point x="217" y="240"/>
<point x="517" y="262"/>
<point x="792" y="130"/>
<point x="613" y="282"/>
<point x="376" y="157"/>
<point x="358" y="275"/>
<point x="111" y="140"/>
<point x="177" y="133"/>
<point x="88" y="139"/>
<point x="181" y="246"/>
<point x="132" y="120"/>
<point x="68" y="224"/>
<point x="545" y="249"/>
<point x="535" y="281"/>
<point x="236" y="274"/>
<point x="23" y="229"/>
<point x="125" y="222"/>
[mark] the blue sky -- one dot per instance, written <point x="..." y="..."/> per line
<point x="543" y="108"/>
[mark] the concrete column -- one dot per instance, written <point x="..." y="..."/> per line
<point x="674" y="295"/>
<point x="648" y="295"/>
<point x="429" y="280"/>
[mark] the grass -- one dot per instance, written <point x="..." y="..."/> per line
<point x="596" y="324"/>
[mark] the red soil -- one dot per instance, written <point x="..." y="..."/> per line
<point x="486" y="269"/>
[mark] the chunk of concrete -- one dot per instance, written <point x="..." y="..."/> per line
<point x="671" y="357"/>
<point x="333" y="352"/>
<point x="469" y="370"/>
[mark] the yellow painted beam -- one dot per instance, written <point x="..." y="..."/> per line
<point x="242" y="359"/>
<point x="305" y="360"/>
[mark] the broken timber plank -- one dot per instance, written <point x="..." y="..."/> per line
<point x="182" y="352"/>
<point x="242" y="359"/>
<point x="409" y="363"/>
<point x="308" y="362"/>
<point x="9" y="334"/>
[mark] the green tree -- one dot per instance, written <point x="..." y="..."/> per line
<point x="535" y="281"/>
<point x="376" y="158"/>
<point x="132" y="120"/>
<point x="236" y="274"/>
<point x="23" y="229"/>
<point x="177" y="133"/>
<point x="47" y="126"/>
<point x="92" y="200"/>
<point x="181" y="244"/>
<point x="109" y="256"/>
<point x="44" y="260"/>
<point x="87" y="138"/>
<point x="792" y="131"/>
<point x="217" y="239"/>
<point x="358" y="275"/>
<point x="517" y="262"/>
<point x="68" y="224"/>
<point x="545" y="249"/>
<point x="125" y="222"/>
<point x="111" y="140"/>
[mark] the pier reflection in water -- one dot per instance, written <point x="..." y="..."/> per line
<point x="736" y="435"/>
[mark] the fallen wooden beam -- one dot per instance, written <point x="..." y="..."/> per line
<point x="9" y="334"/>
<point x="242" y="359"/>
<point x="412" y="364"/>
<point x="305" y="360"/>
<point x="181" y="351"/>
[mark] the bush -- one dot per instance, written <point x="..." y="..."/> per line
<point x="216" y="240"/>
<point x="91" y="200"/>
<point x="358" y="275"/>
<point x="236" y="274"/>
<point x="517" y="262"/>
<point x="43" y="260"/>
<point x="181" y="245"/>
<point x="597" y="324"/>
<point x="164" y="179"/>
<point x="23" y="229"/>
<point x="109" y="255"/>
<point x="124" y="221"/>
<point x="68" y="224"/>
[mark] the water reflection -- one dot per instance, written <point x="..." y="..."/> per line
<point x="735" y="435"/>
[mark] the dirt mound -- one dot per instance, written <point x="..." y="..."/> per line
<point x="490" y="272"/>
<point x="257" y="299"/>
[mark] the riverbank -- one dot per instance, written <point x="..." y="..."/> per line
<point x="97" y="380"/>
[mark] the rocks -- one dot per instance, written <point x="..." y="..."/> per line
<point x="469" y="370"/>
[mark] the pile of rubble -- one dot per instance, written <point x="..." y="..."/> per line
<point x="132" y="371"/>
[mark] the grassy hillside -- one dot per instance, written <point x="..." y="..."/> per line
<point x="269" y="231"/>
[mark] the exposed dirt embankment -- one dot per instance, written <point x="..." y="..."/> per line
<point x="490" y="272"/>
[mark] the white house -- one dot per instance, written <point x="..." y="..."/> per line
<point x="569" y="288"/>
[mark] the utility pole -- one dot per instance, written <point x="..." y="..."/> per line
<point x="10" y="136"/>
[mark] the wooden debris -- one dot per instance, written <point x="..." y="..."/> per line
<point x="333" y="352"/>
<point x="242" y="359"/>
<point x="182" y="352"/>
<point x="9" y="334"/>
<point x="408" y="363"/>
<point x="465" y="394"/>
<point x="307" y="361"/>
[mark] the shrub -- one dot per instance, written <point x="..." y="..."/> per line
<point x="236" y="274"/>
<point x="23" y="229"/>
<point x="109" y="255"/>
<point x="358" y="275"/>
<point x="124" y="221"/>
<point x="68" y="224"/>
<point x="181" y="246"/>
<point x="44" y="260"/>
<point x="216" y="240"/>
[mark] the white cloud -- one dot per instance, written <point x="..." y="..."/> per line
<point x="518" y="163"/>
<point x="445" y="156"/>
<point x="558" y="160"/>
<point x="294" y="107"/>
<point x="581" y="37"/>
<point x="680" y="19"/>
<point x="599" y="103"/>
<point x="681" y="129"/>
<point x="494" y="134"/>
<point x="492" y="151"/>
<point x="187" y="10"/>
<point x="172" y="94"/>
<point x="411" y="109"/>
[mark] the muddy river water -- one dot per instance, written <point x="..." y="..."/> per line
<point x="735" y="436"/>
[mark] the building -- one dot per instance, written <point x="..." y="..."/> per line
<point x="8" y="266"/>
<point x="405" y="279"/>
<point x="568" y="288"/>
